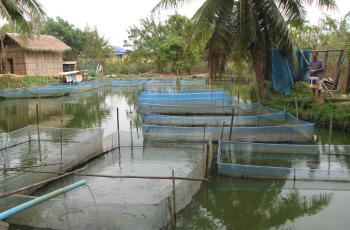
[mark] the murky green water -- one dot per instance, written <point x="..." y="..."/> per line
<point x="222" y="203"/>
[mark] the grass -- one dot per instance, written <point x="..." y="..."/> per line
<point x="310" y="110"/>
<point x="8" y="81"/>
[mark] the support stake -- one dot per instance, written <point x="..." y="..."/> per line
<point x="174" y="198"/>
<point x="38" y="130"/>
<point x="233" y="112"/>
<point x="118" y="127"/>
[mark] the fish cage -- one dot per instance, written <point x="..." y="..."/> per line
<point x="188" y="99"/>
<point x="194" y="121"/>
<point x="43" y="149"/>
<point x="160" y="82"/>
<point x="284" y="161"/>
<point x="53" y="90"/>
<point x="126" y="83"/>
<point x="293" y="130"/>
<point x="131" y="185"/>
<point x="210" y="109"/>
<point x="193" y="81"/>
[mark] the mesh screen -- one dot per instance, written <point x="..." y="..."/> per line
<point x="298" y="132"/>
<point x="122" y="203"/>
<point x="284" y="161"/>
<point x="193" y="81"/>
<point x="239" y="109"/>
<point x="256" y="120"/>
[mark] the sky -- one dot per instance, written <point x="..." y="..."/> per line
<point x="112" y="18"/>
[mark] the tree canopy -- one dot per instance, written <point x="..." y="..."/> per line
<point x="23" y="15"/>
<point x="85" y="43"/>
<point x="245" y="30"/>
<point x="164" y="43"/>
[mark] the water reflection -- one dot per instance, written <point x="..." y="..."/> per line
<point x="83" y="110"/>
<point x="226" y="203"/>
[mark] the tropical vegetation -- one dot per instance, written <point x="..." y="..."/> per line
<point x="245" y="30"/>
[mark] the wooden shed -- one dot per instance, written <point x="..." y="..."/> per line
<point x="39" y="55"/>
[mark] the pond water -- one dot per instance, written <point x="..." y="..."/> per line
<point x="222" y="203"/>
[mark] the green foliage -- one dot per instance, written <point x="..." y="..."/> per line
<point x="308" y="109"/>
<point x="85" y="43"/>
<point x="166" y="45"/>
<point x="8" y="81"/>
<point x="22" y="15"/>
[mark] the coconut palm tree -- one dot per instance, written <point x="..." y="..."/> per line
<point x="22" y="16"/>
<point x="245" y="30"/>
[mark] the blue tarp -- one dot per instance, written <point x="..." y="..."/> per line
<point x="302" y="64"/>
<point x="282" y="72"/>
<point x="283" y="75"/>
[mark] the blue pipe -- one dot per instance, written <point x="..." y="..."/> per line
<point x="13" y="211"/>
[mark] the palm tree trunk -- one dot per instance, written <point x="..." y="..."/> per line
<point x="259" y="65"/>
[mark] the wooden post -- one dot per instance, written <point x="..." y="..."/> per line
<point x="222" y="130"/>
<point x="118" y="127"/>
<point x="207" y="162"/>
<point x="326" y="60"/>
<point x="174" y="197"/>
<point x="337" y="71"/>
<point x="296" y="108"/>
<point x="61" y="136"/>
<point x="38" y="130"/>
<point x="330" y="129"/>
<point x="233" y="111"/>
<point x="131" y="141"/>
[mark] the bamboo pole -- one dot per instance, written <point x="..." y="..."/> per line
<point x="61" y="136"/>
<point x="296" y="108"/>
<point x="120" y="177"/>
<point x="174" y="198"/>
<point x="131" y="137"/>
<point x="330" y="129"/>
<point x="118" y="127"/>
<point x="38" y="130"/>
<point x="21" y="168"/>
<point x="222" y="130"/>
<point x="233" y="111"/>
<point x="2" y="195"/>
<point x="207" y="162"/>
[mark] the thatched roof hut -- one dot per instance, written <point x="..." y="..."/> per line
<point x="37" y="55"/>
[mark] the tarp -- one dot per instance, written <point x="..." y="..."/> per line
<point x="282" y="72"/>
<point x="302" y="64"/>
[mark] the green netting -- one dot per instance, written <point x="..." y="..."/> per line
<point x="255" y="120"/>
<point x="53" y="90"/>
<point x="121" y="203"/>
<point x="160" y="82"/>
<point x="284" y="161"/>
<point x="21" y="149"/>
<point x="299" y="131"/>
<point x="126" y="83"/>
<point x="210" y="109"/>
<point x="201" y="81"/>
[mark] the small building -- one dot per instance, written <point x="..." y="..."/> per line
<point x="69" y="66"/>
<point x="38" y="55"/>
<point x="119" y="52"/>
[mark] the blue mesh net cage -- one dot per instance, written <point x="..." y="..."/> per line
<point x="294" y="131"/>
<point x="201" y="81"/>
<point x="284" y="161"/>
<point x="249" y="120"/>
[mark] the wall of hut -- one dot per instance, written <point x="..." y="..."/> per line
<point x="43" y="63"/>
<point x="17" y="55"/>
